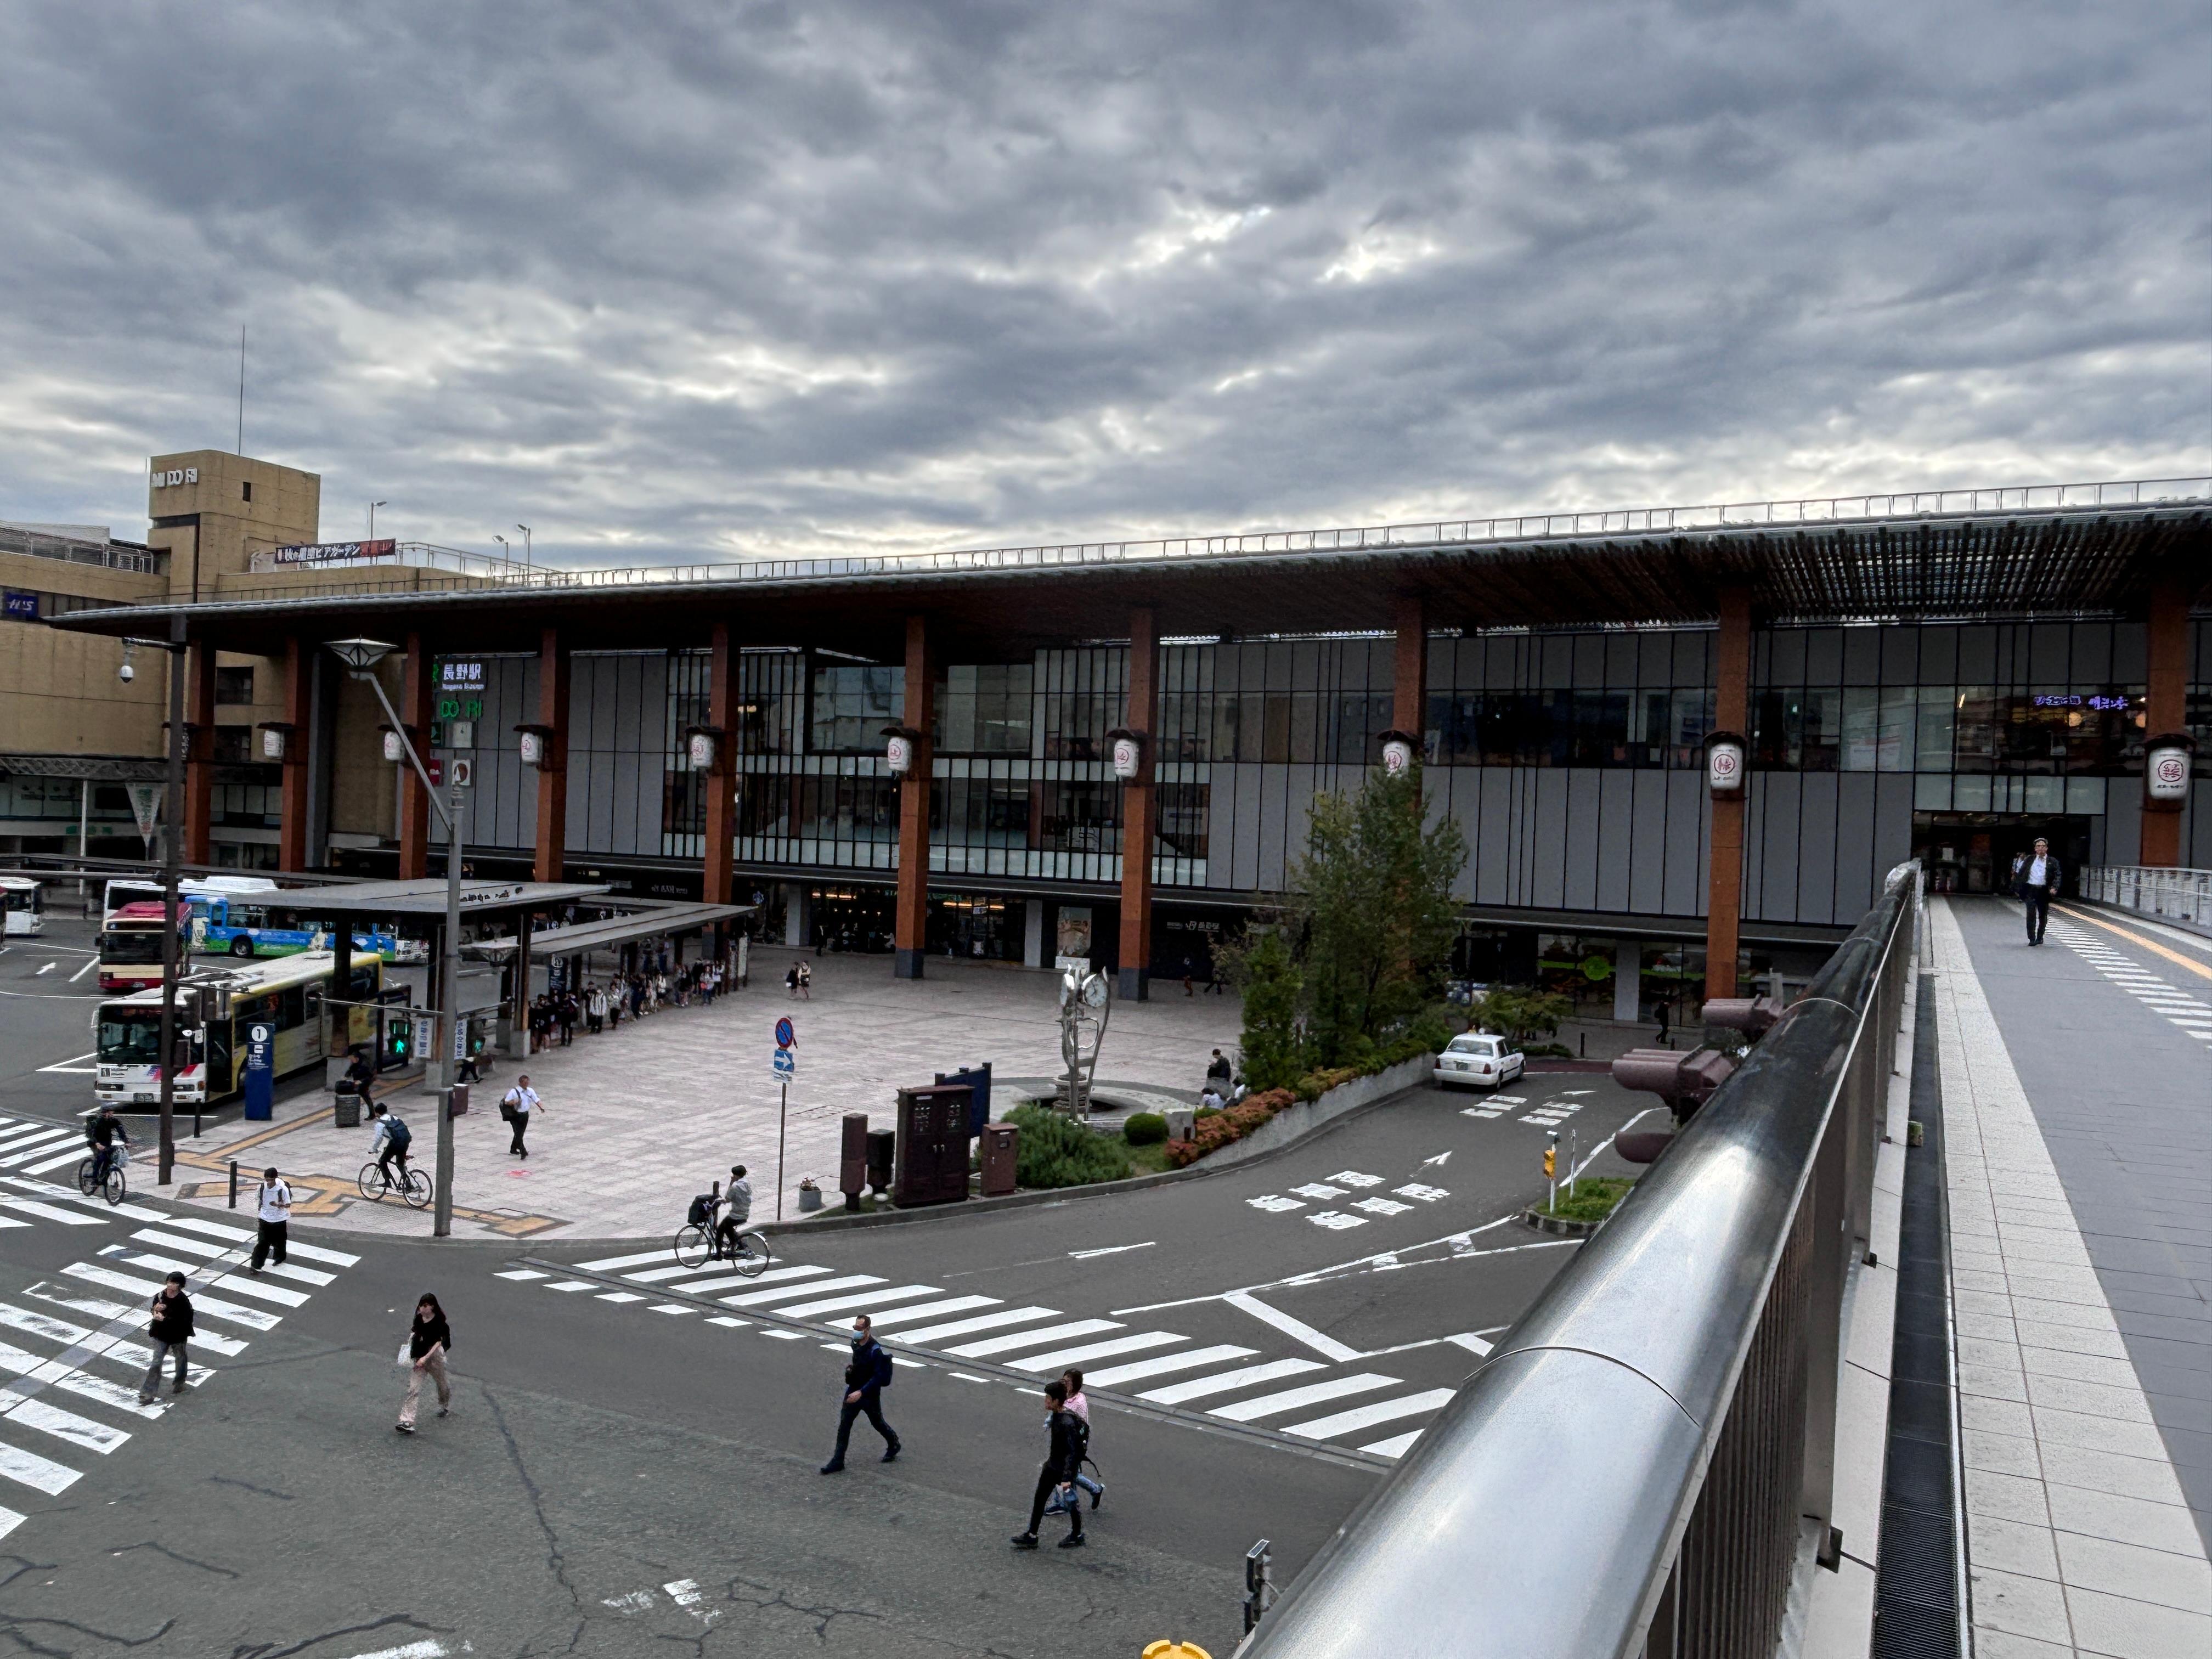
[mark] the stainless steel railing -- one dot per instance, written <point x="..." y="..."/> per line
<point x="2180" y="895"/>
<point x="1640" y="1465"/>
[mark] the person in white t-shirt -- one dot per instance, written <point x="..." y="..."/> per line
<point x="272" y="1209"/>
<point x="516" y="1108"/>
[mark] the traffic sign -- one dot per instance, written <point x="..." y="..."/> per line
<point x="464" y="772"/>
<point x="784" y="1036"/>
<point x="786" y="1066"/>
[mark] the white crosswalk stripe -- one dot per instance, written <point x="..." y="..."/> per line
<point x="1360" y="1418"/>
<point x="1056" y="1359"/>
<point x="793" y="1292"/>
<point x="1312" y="1394"/>
<point x="932" y="1335"/>
<point x="1165" y="1364"/>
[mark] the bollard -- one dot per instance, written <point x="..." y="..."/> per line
<point x="1175" y="1651"/>
<point x="233" y="1183"/>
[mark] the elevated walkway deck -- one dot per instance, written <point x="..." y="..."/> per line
<point x="2077" y="1107"/>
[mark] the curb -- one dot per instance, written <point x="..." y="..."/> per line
<point x="1560" y="1224"/>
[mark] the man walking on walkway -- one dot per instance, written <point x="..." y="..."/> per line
<point x="519" y="1101"/>
<point x="172" y="1328"/>
<point x="272" y="1210"/>
<point x="2036" y="882"/>
<point x="1063" y="1462"/>
<point x="866" y="1379"/>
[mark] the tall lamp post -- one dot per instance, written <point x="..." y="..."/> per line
<point x="373" y="506"/>
<point x="360" y="657"/>
<point x="172" y="870"/>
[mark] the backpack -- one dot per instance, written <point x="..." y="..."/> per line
<point x="883" y="1367"/>
<point x="701" y="1206"/>
<point x="400" y="1135"/>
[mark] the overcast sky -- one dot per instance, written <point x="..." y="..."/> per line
<point x="694" y="281"/>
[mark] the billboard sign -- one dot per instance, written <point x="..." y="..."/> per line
<point x="333" y="552"/>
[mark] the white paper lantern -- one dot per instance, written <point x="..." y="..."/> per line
<point x="534" y="749"/>
<point x="1128" y="755"/>
<point x="702" y="749"/>
<point x="2166" y="775"/>
<point x="272" y="743"/>
<point x="1724" y="767"/>
<point x="898" y="754"/>
<point x="393" y="749"/>
<point x="1397" y="756"/>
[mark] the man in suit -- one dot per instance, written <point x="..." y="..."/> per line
<point x="2035" y="880"/>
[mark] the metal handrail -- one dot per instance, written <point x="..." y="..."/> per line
<point x="1643" y="1452"/>
<point x="1927" y="505"/>
<point x="2180" y="895"/>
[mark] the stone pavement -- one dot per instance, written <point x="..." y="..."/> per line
<point x="637" y="1120"/>
<point x="2080" y="1536"/>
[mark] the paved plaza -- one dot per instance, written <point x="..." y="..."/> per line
<point x="637" y="1120"/>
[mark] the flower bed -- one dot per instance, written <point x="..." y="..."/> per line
<point x="1212" y="1131"/>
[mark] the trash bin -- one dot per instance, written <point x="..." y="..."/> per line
<point x="853" y="1159"/>
<point x="883" y="1145"/>
<point x="348" y="1102"/>
<point x="1000" y="1141"/>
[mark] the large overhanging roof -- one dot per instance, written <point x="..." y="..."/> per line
<point x="2042" y="552"/>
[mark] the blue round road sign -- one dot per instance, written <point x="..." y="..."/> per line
<point x="783" y="1033"/>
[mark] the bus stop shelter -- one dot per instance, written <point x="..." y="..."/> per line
<point x="643" y="920"/>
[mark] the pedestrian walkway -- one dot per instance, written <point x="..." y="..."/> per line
<point x="2078" y="1145"/>
<point x="638" y="1119"/>
<point x="81" y="1334"/>
<point x="1325" y="1392"/>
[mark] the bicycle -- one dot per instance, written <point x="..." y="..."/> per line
<point x="413" y="1185"/>
<point x="114" y="1187"/>
<point x="697" y="1244"/>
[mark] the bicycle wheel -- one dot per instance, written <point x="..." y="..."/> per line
<point x="694" y="1245"/>
<point x="752" y="1254"/>
<point x="418" y="1190"/>
<point x="84" y="1181"/>
<point x="370" y="1181"/>
<point x="117" y="1186"/>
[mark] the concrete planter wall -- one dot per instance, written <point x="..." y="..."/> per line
<point x="1296" y="1122"/>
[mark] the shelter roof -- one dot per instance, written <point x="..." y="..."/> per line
<point x="428" y="898"/>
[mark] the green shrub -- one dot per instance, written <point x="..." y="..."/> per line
<point x="1054" y="1150"/>
<point x="1208" y="1111"/>
<point x="1145" y="1129"/>
<point x="1593" y="1198"/>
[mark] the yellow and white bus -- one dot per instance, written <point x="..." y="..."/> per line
<point x="214" y="1005"/>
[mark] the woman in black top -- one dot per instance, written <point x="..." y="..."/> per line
<point x="428" y="1342"/>
<point x="171" y="1328"/>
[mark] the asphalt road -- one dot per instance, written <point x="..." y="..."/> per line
<point x="619" y="1472"/>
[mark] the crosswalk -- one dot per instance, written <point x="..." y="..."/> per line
<point x="2190" y="1013"/>
<point x="73" y="1348"/>
<point x="1330" y="1399"/>
<point x="30" y="1146"/>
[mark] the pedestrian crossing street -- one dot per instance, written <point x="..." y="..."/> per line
<point x="31" y="1147"/>
<point x="81" y="1336"/>
<point x="1330" y="1398"/>
<point x="2190" y="1013"/>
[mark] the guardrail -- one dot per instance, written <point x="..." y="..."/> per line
<point x="1646" y="1460"/>
<point x="39" y="544"/>
<point x="2180" y="895"/>
<point x="476" y="571"/>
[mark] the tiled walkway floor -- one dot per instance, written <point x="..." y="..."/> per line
<point x="2079" y="1537"/>
<point x="638" y="1120"/>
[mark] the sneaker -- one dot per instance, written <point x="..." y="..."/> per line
<point x="1098" y="1497"/>
<point x="1073" y="1541"/>
<point x="179" y="1387"/>
<point x="441" y="1411"/>
<point x="405" y="1428"/>
<point x="145" y="1399"/>
<point x="833" y="1468"/>
<point x="1025" y="1540"/>
<point x="890" y="1453"/>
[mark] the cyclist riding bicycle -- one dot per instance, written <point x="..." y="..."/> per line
<point x="392" y="1139"/>
<point x="102" y="1134"/>
<point x="737" y="1210"/>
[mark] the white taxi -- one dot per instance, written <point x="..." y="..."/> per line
<point x="1478" y="1060"/>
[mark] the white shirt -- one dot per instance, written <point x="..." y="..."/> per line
<point x="738" y="1201"/>
<point x="276" y="1201"/>
<point x="522" y="1097"/>
<point x="2036" y="877"/>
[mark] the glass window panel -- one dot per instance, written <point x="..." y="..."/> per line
<point x="1931" y="793"/>
<point x="1937" y="716"/>
<point x="1860" y="729"/>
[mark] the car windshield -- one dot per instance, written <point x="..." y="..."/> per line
<point x="130" y="1037"/>
<point x="1467" y="1045"/>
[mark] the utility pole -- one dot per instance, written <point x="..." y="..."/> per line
<point x="173" y="871"/>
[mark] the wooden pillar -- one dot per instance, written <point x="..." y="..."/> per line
<point x="2166" y="642"/>
<point x="911" y="924"/>
<point x="1140" y="808"/>
<point x="721" y="809"/>
<point x="1409" y="683"/>
<point x="199" y="751"/>
<point x="1725" y="878"/>
<point x="417" y="688"/>
<point x="299" y="720"/>
<point x="553" y="768"/>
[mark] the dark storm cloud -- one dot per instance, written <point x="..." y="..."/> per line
<point x="681" y="281"/>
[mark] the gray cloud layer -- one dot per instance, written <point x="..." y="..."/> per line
<point x="687" y="281"/>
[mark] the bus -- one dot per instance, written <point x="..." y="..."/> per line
<point x="215" y="1007"/>
<point x="22" y="898"/>
<point x="147" y="889"/>
<point x="237" y="925"/>
<point x="131" y="945"/>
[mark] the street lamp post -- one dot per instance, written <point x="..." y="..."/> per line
<point x="525" y="529"/>
<point x="362" y="656"/>
<point x="373" y="506"/>
<point x="173" y="858"/>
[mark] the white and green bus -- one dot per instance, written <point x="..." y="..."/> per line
<point x="214" y="1005"/>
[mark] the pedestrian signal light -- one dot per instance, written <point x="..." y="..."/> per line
<point x="1550" y="1162"/>
<point x="403" y="1033"/>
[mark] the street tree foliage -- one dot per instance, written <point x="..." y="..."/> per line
<point x="1359" y="957"/>
<point x="1520" y="1011"/>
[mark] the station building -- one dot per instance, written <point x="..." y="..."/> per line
<point x="949" y="754"/>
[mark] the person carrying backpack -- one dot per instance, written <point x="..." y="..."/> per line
<point x="100" y="1135"/>
<point x="392" y="1139"/>
<point x="866" y="1379"/>
<point x="1063" y="1462"/>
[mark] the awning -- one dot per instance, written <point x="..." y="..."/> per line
<point x="576" y="938"/>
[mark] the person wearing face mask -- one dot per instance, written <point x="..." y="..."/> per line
<point x="866" y="1378"/>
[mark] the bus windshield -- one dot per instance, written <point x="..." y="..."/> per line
<point x="132" y="945"/>
<point x="130" y="1037"/>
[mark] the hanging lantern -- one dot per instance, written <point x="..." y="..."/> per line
<point x="2167" y="771"/>
<point x="535" y="743"/>
<point x="899" y="749"/>
<point x="1725" y="765"/>
<point x="394" y="750"/>
<point x="273" y="736"/>
<point x="1129" y="753"/>
<point x="701" y="745"/>
<point x="1398" y="751"/>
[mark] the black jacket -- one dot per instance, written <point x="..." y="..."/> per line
<point x="1069" y="1439"/>
<point x="2054" y="873"/>
<point x="871" y="1368"/>
<point x="172" y="1318"/>
<point x="426" y="1332"/>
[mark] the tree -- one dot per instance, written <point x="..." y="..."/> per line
<point x="1274" y="1055"/>
<point x="1521" y="1010"/>
<point x="1375" y="899"/>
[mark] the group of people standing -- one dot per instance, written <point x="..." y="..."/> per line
<point x="555" y="1015"/>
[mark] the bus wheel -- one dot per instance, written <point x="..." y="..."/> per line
<point x="242" y="946"/>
